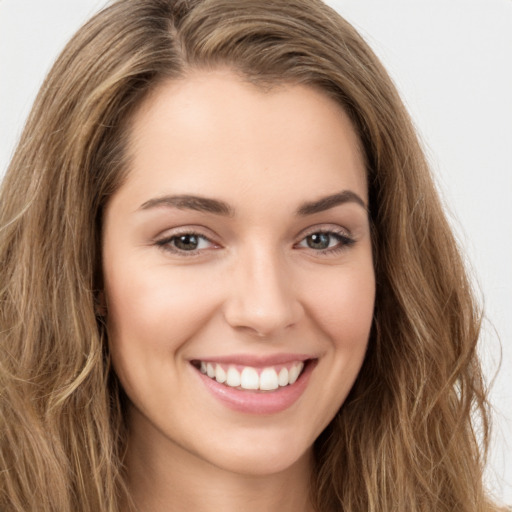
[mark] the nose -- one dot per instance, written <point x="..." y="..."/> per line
<point x="262" y="300"/>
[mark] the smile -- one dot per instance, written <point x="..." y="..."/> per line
<point x="250" y="378"/>
<point x="256" y="387"/>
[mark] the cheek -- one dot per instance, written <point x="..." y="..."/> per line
<point x="343" y="305"/>
<point x="153" y="312"/>
<point x="342" y="308"/>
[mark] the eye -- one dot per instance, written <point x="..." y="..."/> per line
<point x="185" y="242"/>
<point x="326" y="241"/>
<point x="188" y="242"/>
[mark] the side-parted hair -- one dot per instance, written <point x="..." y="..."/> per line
<point x="411" y="436"/>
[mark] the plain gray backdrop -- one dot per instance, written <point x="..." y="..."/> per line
<point x="452" y="62"/>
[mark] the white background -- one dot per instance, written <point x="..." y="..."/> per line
<point x="452" y="62"/>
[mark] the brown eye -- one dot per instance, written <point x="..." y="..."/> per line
<point x="186" y="242"/>
<point x="190" y="243"/>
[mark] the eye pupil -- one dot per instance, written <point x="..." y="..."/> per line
<point x="318" y="241"/>
<point x="186" y="242"/>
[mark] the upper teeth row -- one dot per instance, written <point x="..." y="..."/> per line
<point x="249" y="378"/>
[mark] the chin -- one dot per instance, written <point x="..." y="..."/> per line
<point x="262" y="454"/>
<point x="262" y="461"/>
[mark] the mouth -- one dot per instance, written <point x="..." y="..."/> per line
<point x="251" y="378"/>
<point x="256" y="387"/>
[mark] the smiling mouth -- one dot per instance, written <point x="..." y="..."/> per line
<point x="269" y="378"/>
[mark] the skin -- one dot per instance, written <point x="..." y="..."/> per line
<point x="254" y="285"/>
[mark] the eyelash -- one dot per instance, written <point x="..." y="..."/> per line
<point x="343" y="242"/>
<point x="166" y="243"/>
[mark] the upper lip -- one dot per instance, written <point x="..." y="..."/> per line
<point x="256" y="360"/>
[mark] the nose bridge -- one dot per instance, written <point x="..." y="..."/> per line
<point x="262" y="299"/>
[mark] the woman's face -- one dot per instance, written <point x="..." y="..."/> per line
<point x="239" y="246"/>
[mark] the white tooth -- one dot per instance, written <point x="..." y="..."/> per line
<point x="295" y="372"/>
<point x="210" y="370"/>
<point x="203" y="367"/>
<point x="283" y="377"/>
<point x="268" y="379"/>
<point x="249" y="378"/>
<point x="220" y="374"/>
<point x="233" y="377"/>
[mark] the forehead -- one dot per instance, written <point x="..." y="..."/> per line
<point x="212" y="131"/>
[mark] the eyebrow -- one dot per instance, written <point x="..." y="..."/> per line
<point x="209" y="205"/>
<point x="188" y="202"/>
<point x="328" y="202"/>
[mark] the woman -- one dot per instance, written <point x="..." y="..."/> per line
<point x="224" y="261"/>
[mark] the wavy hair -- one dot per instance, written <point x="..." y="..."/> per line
<point x="412" y="435"/>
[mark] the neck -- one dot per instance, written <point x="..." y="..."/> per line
<point x="164" y="477"/>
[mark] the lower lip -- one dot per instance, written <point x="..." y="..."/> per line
<point x="257" y="402"/>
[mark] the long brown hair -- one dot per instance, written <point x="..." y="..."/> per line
<point x="412" y="435"/>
